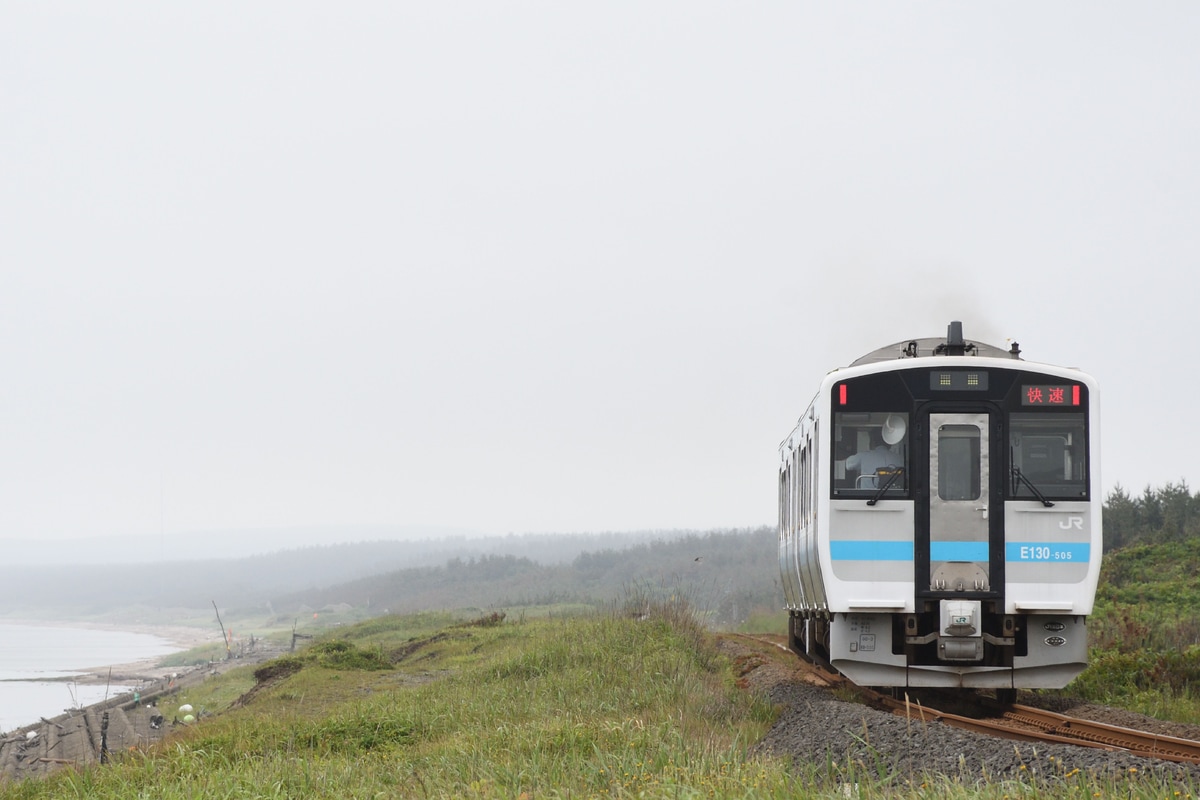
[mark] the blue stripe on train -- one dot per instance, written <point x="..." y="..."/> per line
<point x="1014" y="552"/>
<point x="870" y="550"/>
<point x="958" y="551"/>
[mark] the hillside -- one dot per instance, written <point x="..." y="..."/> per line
<point x="636" y="702"/>
<point x="725" y="575"/>
<point x="600" y="705"/>
<point x="728" y="574"/>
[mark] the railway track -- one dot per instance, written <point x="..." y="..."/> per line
<point x="1025" y="723"/>
<point x="1016" y="722"/>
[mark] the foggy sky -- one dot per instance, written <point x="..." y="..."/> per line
<point x="539" y="267"/>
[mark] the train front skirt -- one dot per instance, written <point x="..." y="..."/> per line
<point x="862" y="647"/>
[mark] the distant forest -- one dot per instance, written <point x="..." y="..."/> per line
<point x="1158" y="516"/>
<point x="726" y="571"/>
<point x="728" y="575"/>
<point x="724" y="574"/>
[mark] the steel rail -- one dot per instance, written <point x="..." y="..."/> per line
<point x="1005" y="729"/>
<point x="1143" y="743"/>
<point x="1028" y="724"/>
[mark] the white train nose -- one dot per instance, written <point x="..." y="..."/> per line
<point x="940" y="520"/>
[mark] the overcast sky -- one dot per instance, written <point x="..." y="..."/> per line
<point x="542" y="267"/>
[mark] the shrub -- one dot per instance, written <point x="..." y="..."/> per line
<point x="340" y="654"/>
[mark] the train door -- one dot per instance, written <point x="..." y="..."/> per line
<point x="958" y="556"/>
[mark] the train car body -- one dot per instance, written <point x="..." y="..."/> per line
<point x="939" y="518"/>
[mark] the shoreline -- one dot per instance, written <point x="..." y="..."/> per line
<point x="140" y="714"/>
<point x="182" y="637"/>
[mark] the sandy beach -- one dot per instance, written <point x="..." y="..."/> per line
<point x="185" y="638"/>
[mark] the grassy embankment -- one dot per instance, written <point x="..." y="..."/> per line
<point x="601" y="705"/>
<point x="1145" y="632"/>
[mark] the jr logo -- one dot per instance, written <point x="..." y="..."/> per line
<point x="1071" y="522"/>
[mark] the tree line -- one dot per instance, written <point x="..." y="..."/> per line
<point x="1167" y="514"/>
<point x="725" y="574"/>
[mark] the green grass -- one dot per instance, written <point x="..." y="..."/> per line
<point x="596" y="705"/>
<point x="1145" y="633"/>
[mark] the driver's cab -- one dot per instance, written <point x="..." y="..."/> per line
<point x="870" y="453"/>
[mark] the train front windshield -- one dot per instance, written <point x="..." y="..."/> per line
<point x="1034" y="434"/>
<point x="1049" y="454"/>
<point x="870" y="453"/>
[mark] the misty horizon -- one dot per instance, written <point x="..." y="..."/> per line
<point x="553" y="268"/>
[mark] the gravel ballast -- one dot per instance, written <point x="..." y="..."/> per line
<point x="815" y="726"/>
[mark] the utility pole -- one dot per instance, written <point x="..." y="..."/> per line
<point x="228" y="654"/>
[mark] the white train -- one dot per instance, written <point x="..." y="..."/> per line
<point x="939" y="518"/>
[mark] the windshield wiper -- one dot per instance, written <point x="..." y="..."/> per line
<point x="1020" y="476"/>
<point x="886" y="485"/>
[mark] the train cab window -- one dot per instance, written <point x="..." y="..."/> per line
<point x="1049" y="451"/>
<point x="958" y="462"/>
<point x="870" y="451"/>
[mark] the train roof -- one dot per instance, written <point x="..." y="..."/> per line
<point x="953" y="345"/>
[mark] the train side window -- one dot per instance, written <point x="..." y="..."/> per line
<point x="812" y="470"/>
<point x="785" y="500"/>
<point x="958" y="462"/>
<point x="1048" y="450"/>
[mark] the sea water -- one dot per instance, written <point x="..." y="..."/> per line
<point x="32" y="657"/>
